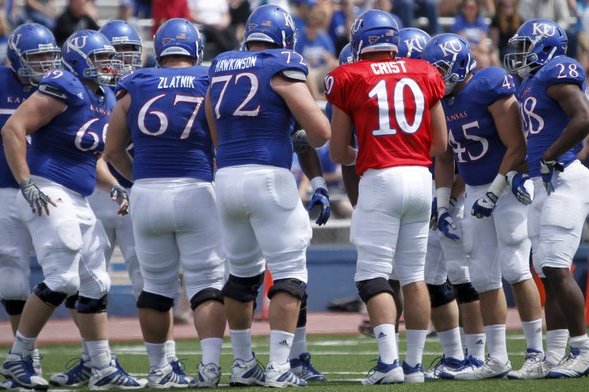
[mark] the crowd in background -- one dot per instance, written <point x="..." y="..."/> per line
<point x="323" y="28"/>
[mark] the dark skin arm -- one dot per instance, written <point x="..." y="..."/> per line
<point x="575" y="104"/>
<point x="351" y="179"/>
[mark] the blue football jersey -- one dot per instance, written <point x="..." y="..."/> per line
<point x="66" y="149"/>
<point x="168" y="124"/>
<point x="254" y="123"/>
<point x="543" y="118"/>
<point x="12" y="94"/>
<point x="478" y="150"/>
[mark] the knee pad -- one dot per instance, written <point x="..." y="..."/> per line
<point x="87" y="305"/>
<point x="440" y="294"/>
<point x="70" y="301"/>
<point x="243" y="289"/>
<point x="294" y="287"/>
<point x="154" y="301"/>
<point x="50" y="297"/>
<point x="302" y="321"/>
<point x="369" y="288"/>
<point x="465" y="293"/>
<point x="209" y="294"/>
<point x="13" y="307"/>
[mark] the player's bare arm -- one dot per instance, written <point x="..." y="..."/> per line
<point x="575" y="104"/>
<point x="439" y="130"/>
<point x="211" y="117"/>
<point x="340" y="150"/>
<point x="115" y="149"/>
<point x="31" y="115"/>
<point x="507" y="120"/>
<point x="444" y="174"/>
<point x="303" y="107"/>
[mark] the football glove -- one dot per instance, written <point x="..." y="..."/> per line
<point x="320" y="198"/>
<point x="433" y="220"/>
<point x="547" y="169"/>
<point x="447" y="225"/>
<point x="119" y="195"/>
<point x="38" y="200"/>
<point x="517" y="181"/>
<point x="484" y="206"/>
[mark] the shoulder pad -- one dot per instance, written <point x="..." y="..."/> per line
<point x="491" y="84"/>
<point x="286" y="61"/>
<point x="562" y="70"/>
<point x="62" y="84"/>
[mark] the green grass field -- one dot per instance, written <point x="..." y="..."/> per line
<point x="345" y="360"/>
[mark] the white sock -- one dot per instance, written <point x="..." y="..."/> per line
<point x="99" y="353"/>
<point x="156" y="352"/>
<point x="171" y="350"/>
<point x="85" y="354"/>
<point x="397" y="338"/>
<point x="415" y="346"/>
<point x="241" y="343"/>
<point x="22" y="345"/>
<point x="556" y="345"/>
<point x="581" y="341"/>
<point x="475" y="345"/>
<point x="496" y="342"/>
<point x="533" y="334"/>
<point x="386" y="341"/>
<point x="280" y="345"/>
<point x="451" y="346"/>
<point x="463" y="340"/>
<point x="299" y="343"/>
<point x="211" y="350"/>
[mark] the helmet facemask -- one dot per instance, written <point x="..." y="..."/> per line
<point x="105" y="68"/>
<point x="35" y="63"/>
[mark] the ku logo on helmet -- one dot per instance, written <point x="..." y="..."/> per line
<point x="14" y="39"/>
<point x="415" y="43"/>
<point x="289" y="21"/>
<point x="451" y="47"/>
<point x="543" y="29"/>
<point x="77" y="42"/>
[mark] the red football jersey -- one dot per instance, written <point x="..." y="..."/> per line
<point x="389" y="103"/>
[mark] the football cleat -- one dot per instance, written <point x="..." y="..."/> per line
<point x="385" y="373"/>
<point x="113" y="377"/>
<point x="208" y="376"/>
<point x="245" y="373"/>
<point x="22" y="371"/>
<point x="576" y="364"/>
<point x="37" y="362"/>
<point x="303" y="369"/>
<point x="165" y="377"/>
<point x="281" y="376"/>
<point x="413" y="375"/>
<point x="447" y="368"/>
<point x="534" y="366"/>
<point x="492" y="368"/>
<point x="78" y="374"/>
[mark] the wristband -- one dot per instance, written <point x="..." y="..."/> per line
<point x="318" y="182"/>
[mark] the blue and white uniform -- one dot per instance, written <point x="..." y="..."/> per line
<point x="62" y="161"/>
<point x="256" y="192"/>
<point x="173" y="200"/>
<point x="555" y="222"/>
<point x="15" y="240"/>
<point x="499" y="245"/>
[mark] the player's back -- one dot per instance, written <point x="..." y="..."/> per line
<point x="168" y="124"/>
<point x="12" y="94"/>
<point x="389" y="102"/>
<point x="472" y="133"/>
<point x="64" y="150"/>
<point x="543" y="118"/>
<point x="253" y="122"/>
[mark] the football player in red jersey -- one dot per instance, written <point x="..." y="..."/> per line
<point x="396" y="111"/>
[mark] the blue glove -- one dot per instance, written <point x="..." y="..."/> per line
<point x="320" y="198"/>
<point x="485" y="205"/>
<point x="517" y="180"/>
<point x="433" y="219"/>
<point x="547" y="169"/>
<point x="447" y="225"/>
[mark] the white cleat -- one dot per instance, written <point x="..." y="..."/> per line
<point x="385" y="373"/>
<point x="165" y="377"/>
<point x="281" y="376"/>
<point x="246" y="373"/>
<point x="113" y="377"/>
<point x="576" y="364"/>
<point x="534" y="367"/>
<point x="492" y="368"/>
<point x="208" y="376"/>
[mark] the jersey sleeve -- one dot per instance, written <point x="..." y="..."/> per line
<point x="435" y="87"/>
<point x="563" y="70"/>
<point x="62" y="85"/>
<point x="288" y="63"/>
<point x="495" y="84"/>
<point x="124" y="85"/>
<point x="334" y="85"/>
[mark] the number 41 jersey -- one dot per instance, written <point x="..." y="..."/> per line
<point x="389" y="103"/>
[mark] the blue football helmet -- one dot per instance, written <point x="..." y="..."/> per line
<point x="28" y="40"/>
<point x="450" y="54"/>
<point x="126" y="41"/>
<point x="534" y="44"/>
<point x="89" y="56"/>
<point x="374" y="31"/>
<point x="345" y="56"/>
<point x="178" y="37"/>
<point x="412" y="41"/>
<point x="270" y="24"/>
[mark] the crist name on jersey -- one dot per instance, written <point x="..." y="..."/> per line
<point x="389" y="67"/>
<point x="236" y="63"/>
<point x="178" y="81"/>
